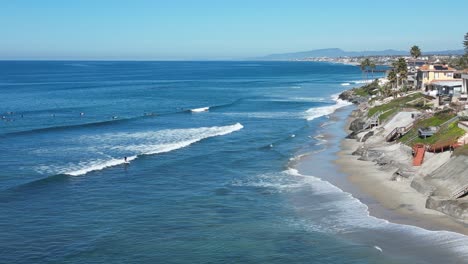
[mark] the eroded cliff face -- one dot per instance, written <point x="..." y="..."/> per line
<point x="450" y="177"/>
<point x="447" y="180"/>
<point x="455" y="208"/>
<point x="438" y="179"/>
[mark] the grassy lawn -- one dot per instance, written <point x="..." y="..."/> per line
<point x="451" y="132"/>
<point x="393" y="106"/>
<point x="361" y="92"/>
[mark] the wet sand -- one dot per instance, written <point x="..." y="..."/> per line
<point x="408" y="205"/>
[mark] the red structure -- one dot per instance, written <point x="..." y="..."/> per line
<point x="419" y="151"/>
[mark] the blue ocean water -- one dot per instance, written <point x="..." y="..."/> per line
<point x="211" y="178"/>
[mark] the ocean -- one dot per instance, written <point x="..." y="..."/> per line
<point x="212" y="151"/>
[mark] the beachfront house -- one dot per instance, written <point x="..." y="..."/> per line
<point x="464" y="89"/>
<point x="427" y="74"/>
<point x="446" y="91"/>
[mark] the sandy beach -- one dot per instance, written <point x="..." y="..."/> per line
<point x="392" y="200"/>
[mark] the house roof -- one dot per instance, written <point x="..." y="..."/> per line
<point x="449" y="83"/>
<point x="436" y="67"/>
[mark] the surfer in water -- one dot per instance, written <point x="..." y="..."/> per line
<point x="125" y="160"/>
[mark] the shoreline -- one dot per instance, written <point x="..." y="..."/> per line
<point x="393" y="201"/>
<point x="406" y="205"/>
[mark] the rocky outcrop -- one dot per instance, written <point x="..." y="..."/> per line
<point x="403" y="174"/>
<point x="450" y="177"/>
<point x="447" y="179"/>
<point x="352" y="97"/>
<point x="366" y="136"/>
<point x="422" y="186"/>
<point x="455" y="208"/>
<point x="357" y="125"/>
<point x="371" y="155"/>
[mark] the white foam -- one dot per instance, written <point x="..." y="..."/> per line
<point x="290" y="99"/>
<point x="317" y="112"/>
<point x="307" y="99"/>
<point x="266" y="115"/>
<point x="134" y="145"/>
<point x="378" y="248"/>
<point x="327" y="123"/>
<point x="96" y="165"/>
<point x="338" y="212"/>
<point x="345" y="84"/>
<point x="363" y="81"/>
<point x="321" y="140"/>
<point x="199" y="110"/>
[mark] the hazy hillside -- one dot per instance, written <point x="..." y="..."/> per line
<point x="336" y="52"/>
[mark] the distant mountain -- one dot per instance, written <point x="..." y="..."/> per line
<point x="336" y="52"/>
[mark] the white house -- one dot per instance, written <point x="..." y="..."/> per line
<point x="464" y="89"/>
<point x="465" y="83"/>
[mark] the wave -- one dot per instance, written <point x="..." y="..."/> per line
<point x="314" y="113"/>
<point x="98" y="165"/>
<point x="320" y="140"/>
<point x="339" y="213"/>
<point x="345" y="84"/>
<point x="328" y="123"/>
<point x="362" y="81"/>
<point x="117" y="120"/>
<point x="290" y="99"/>
<point x="215" y="107"/>
<point x="134" y="145"/>
<point x="265" y="115"/>
<point x="65" y="127"/>
<point x="199" y="110"/>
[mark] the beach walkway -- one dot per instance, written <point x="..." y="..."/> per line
<point x="419" y="152"/>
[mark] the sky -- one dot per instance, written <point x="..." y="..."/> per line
<point x="222" y="29"/>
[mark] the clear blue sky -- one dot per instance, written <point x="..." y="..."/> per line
<point x="221" y="29"/>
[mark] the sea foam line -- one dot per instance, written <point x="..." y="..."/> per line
<point x="348" y="216"/>
<point x="199" y="110"/>
<point x="316" y="112"/>
<point x="148" y="143"/>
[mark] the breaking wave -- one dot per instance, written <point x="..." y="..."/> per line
<point x="113" y="147"/>
<point x="316" y="112"/>
<point x="199" y="110"/>
<point x="337" y="212"/>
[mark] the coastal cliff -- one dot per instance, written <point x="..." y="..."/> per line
<point x="439" y="178"/>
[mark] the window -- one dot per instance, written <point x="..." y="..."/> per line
<point x="449" y="74"/>
<point x="436" y="75"/>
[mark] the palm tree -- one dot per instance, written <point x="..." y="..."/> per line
<point x="372" y="66"/>
<point x="385" y="90"/>
<point x="400" y="69"/>
<point x="415" y="53"/>
<point x="392" y="76"/>
<point x="465" y="43"/>
<point x="364" y="67"/>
